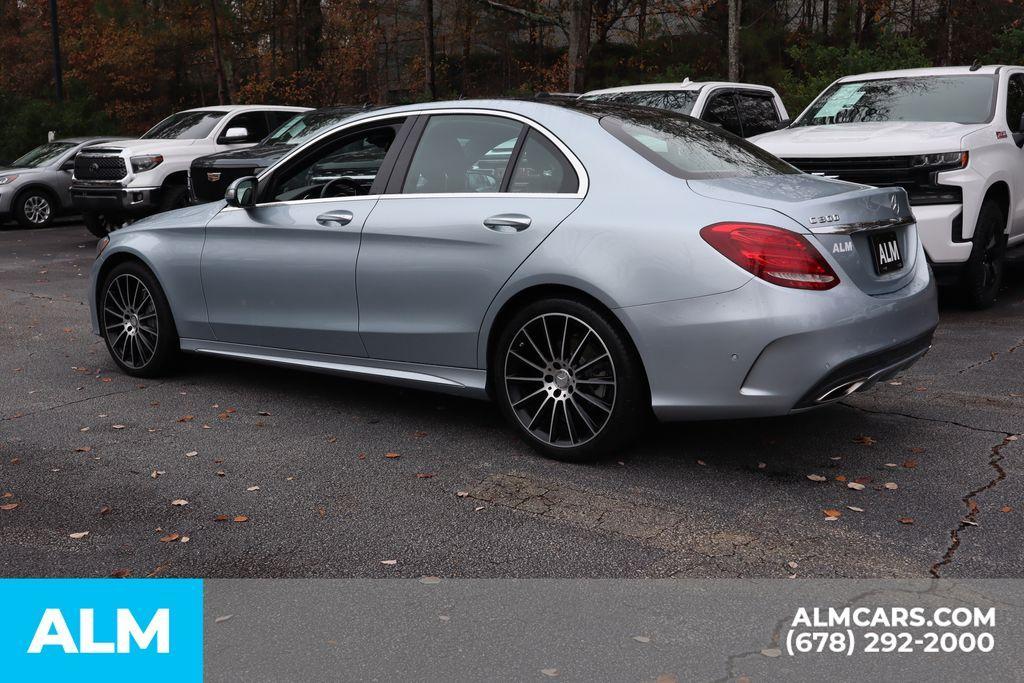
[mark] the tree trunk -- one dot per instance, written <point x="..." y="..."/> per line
<point x="429" y="84"/>
<point x="579" y="44"/>
<point x="223" y="95"/>
<point x="825" y="10"/>
<point x="311" y="20"/>
<point x="949" y="33"/>
<point x="734" y="40"/>
<point x="641" y="25"/>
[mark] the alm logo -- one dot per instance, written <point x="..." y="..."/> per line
<point x="53" y="631"/>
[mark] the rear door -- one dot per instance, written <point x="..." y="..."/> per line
<point x="473" y="194"/>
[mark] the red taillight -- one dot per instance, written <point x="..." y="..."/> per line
<point x="779" y="256"/>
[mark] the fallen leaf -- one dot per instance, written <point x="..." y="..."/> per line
<point x="7" y="495"/>
<point x="641" y="639"/>
<point x="854" y="508"/>
<point x="462" y="494"/>
<point x="910" y="464"/>
<point x="762" y="465"/>
<point x="390" y="563"/>
<point x="550" y="673"/>
<point x="832" y="512"/>
<point x="263" y="413"/>
<point x="170" y="537"/>
<point x="840" y="477"/>
<point x="478" y="508"/>
<point x="220" y="473"/>
<point x="816" y="477"/>
<point x="424" y="475"/>
<point x="792" y="565"/>
<point x="105" y="510"/>
<point x="855" y="486"/>
<point x="120" y="573"/>
<point x="865" y="440"/>
<point x="222" y="618"/>
<point x="83" y="449"/>
<point x="9" y="506"/>
<point x="891" y="485"/>
<point x="863" y="480"/>
<point x="906" y="520"/>
<point x="220" y="518"/>
<point x="701" y="463"/>
<point x="1006" y="508"/>
<point x="118" y="426"/>
<point x="240" y="518"/>
<point x="184" y="539"/>
<point x="392" y="455"/>
<point x="156" y="473"/>
<point x="419" y="435"/>
<point x="772" y="652"/>
<point x="668" y="678"/>
<point x="179" y="502"/>
<point x="916" y="449"/>
<point x="78" y="534"/>
<point x="186" y="418"/>
<point x="891" y="464"/>
<point x="253" y="488"/>
<point x="191" y="454"/>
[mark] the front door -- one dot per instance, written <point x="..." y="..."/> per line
<point x="452" y="229"/>
<point x="283" y="273"/>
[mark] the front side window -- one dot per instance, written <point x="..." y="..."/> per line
<point x="254" y="122"/>
<point x="757" y="113"/>
<point x="1015" y="102"/>
<point x="186" y="125"/>
<point x="42" y="155"/>
<point x="957" y="99"/>
<point x="679" y="101"/>
<point x="691" y="149"/>
<point x="721" y="110"/>
<point x="343" y="167"/>
<point x="460" y="153"/>
<point x="542" y="168"/>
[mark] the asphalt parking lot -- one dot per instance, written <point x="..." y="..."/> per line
<point x="302" y="463"/>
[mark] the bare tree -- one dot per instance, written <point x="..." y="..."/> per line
<point x="429" y="82"/>
<point x="223" y="94"/>
<point x="734" y="40"/>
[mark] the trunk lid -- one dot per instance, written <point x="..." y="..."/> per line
<point x="849" y="222"/>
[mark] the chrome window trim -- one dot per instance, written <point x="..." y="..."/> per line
<point x="581" y="171"/>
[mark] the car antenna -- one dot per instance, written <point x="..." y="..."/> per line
<point x="976" y="65"/>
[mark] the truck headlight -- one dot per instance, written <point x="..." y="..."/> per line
<point x="943" y="161"/>
<point x="4" y="179"/>
<point x="146" y="162"/>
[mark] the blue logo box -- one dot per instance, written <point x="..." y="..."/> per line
<point x="102" y="629"/>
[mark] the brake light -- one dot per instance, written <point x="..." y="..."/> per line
<point x="779" y="256"/>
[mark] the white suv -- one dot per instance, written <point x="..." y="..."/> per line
<point x="129" y="179"/>
<point x="951" y="137"/>
<point x="743" y="109"/>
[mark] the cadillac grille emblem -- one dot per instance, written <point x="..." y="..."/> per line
<point x="895" y="203"/>
<point x="213" y="177"/>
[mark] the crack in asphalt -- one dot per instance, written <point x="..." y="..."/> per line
<point x="972" y="507"/>
<point x="953" y="423"/>
<point x="991" y="358"/>
<point x="18" y="416"/>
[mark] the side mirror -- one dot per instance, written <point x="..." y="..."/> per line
<point x="784" y="123"/>
<point x="242" y="192"/>
<point x="236" y="134"/>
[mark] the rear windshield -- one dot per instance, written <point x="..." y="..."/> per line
<point x="691" y="149"/>
<point x="957" y="99"/>
<point x="186" y="125"/>
<point x="679" y="101"/>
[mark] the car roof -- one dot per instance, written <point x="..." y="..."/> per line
<point x="228" y="108"/>
<point x="918" y="73"/>
<point x="683" y="85"/>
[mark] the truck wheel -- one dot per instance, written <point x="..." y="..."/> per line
<point x="34" y="209"/>
<point x="983" y="272"/>
<point x="101" y="224"/>
<point x="173" y="197"/>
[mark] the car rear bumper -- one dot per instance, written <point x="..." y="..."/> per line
<point x="763" y="350"/>
<point x="88" y="199"/>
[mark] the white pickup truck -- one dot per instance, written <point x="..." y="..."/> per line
<point x="951" y="137"/>
<point x="129" y="179"/>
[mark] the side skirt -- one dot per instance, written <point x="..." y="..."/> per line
<point x="470" y="382"/>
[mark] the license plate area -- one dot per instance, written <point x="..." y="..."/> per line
<point x="885" y="252"/>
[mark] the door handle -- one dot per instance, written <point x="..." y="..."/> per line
<point x="508" y="222"/>
<point x="335" y="219"/>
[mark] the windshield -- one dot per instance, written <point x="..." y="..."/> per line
<point x="679" y="101"/>
<point x="304" y="126"/>
<point x="958" y="99"/>
<point x="187" y="125"/>
<point x="43" y="155"/>
<point x="691" y="149"/>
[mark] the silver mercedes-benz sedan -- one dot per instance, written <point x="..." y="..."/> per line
<point x="578" y="263"/>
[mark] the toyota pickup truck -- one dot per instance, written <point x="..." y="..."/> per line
<point x="952" y="137"/>
<point x="120" y="182"/>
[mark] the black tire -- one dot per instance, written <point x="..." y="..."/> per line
<point x="527" y="381"/>
<point x="983" y="272"/>
<point x="34" y="209"/>
<point x="101" y="224"/>
<point x="152" y="349"/>
<point x="173" y="197"/>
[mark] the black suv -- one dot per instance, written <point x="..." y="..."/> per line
<point x="210" y="176"/>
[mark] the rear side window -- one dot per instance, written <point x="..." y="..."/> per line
<point x="542" y="168"/>
<point x="721" y="110"/>
<point x="757" y="113"/>
<point x="460" y="153"/>
<point x="1015" y="102"/>
<point x="687" y="148"/>
<point x="253" y="121"/>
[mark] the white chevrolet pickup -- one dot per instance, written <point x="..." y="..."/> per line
<point x="129" y="179"/>
<point x="951" y="137"/>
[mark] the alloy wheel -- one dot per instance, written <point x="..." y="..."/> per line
<point x="560" y="380"/>
<point x="130" y="320"/>
<point x="37" y="210"/>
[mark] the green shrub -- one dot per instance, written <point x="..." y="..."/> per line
<point x="24" y="122"/>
